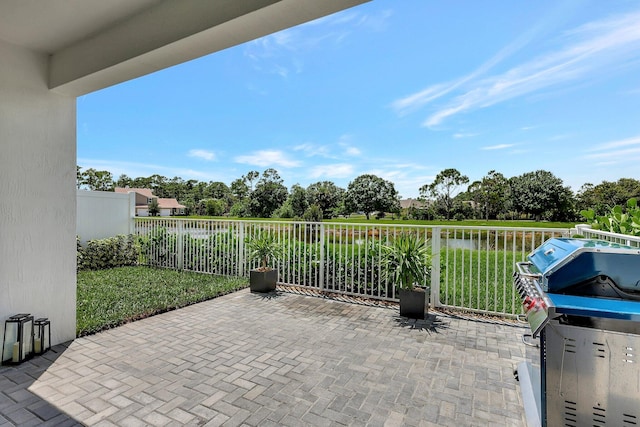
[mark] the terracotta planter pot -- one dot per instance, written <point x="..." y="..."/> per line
<point x="414" y="303"/>
<point x="263" y="281"/>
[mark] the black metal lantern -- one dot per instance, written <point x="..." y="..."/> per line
<point x="18" y="339"/>
<point x="42" y="335"/>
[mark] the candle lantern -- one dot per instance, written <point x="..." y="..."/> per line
<point x="18" y="339"/>
<point x="42" y="335"/>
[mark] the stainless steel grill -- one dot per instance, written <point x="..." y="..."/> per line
<point x="582" y="299"/>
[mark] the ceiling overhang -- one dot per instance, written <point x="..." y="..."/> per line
<point x="93" y="44"/>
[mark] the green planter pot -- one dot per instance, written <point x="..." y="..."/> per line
<point x="414" y="303"/>
<point x="263" y="281"/>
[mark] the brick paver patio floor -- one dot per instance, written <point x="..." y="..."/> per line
<point x="285" y="359"/>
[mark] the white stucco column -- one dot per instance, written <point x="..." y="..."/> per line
<point x="37" y="194"/>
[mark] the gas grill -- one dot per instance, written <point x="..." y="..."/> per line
<point x="582" y="299"/>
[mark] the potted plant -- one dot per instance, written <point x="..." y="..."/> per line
<point x="264" y="247"/>
<point x="407" y="264"/>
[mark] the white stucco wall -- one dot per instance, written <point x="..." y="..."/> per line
<point x="102" y="214"/>
<point x="37" y="194"/>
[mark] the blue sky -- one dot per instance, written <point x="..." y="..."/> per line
<point x="399" y="89"/>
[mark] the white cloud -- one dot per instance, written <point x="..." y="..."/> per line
<point x="588" y="50"/>
<point x="616" y="144"/>
<point x="268" y="158"/>
<point x="312" y="150"/>
<point x="340" y="170"/>
<point x="464" y="135"/>
<point x="202" y="154"/>
<point x="615" y="152"/>
<point x="352" y="151"/>
<point x="280" y="53"/>
<point x="498" y="147"/>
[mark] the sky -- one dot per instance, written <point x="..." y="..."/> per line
<point x="398" y="89"/>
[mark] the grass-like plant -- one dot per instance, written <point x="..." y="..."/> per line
<point x="406" y="261"/>
<point x="262" y="246"/>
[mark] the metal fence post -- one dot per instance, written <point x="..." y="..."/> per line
<point x="180" y="243"/>
<point x="435" y="266"/>
<point x="240" y="254"/>
<point x="322" y="250"/>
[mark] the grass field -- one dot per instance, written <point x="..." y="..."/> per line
<point x="479" y="280"/>
<point x="108" y="298"/>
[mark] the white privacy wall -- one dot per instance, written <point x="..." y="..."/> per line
<point x="102" y="214"/>
<point x="37" y="194"/>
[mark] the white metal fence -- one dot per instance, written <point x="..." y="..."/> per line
<point x="471" y="269"/>
<point x="622" y="239"/>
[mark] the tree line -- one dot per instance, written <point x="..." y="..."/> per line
<point x="537" y="195"/>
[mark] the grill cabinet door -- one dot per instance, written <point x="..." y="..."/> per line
<point x="592" y="377"/>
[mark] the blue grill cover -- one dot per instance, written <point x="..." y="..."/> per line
<point x="564" y="262"/>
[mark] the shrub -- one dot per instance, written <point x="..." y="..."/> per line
<point x="118" y="251"/>
<point x="619" y="220"/>
<point x="313" y="214"/>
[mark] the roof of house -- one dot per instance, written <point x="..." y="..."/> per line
<point x="163" y="203"/>
<point x="169" y="204"/>
<point x="412" y="203"/>
<point x="144" y="191"/>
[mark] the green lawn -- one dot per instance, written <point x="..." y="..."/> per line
<point x="480" y="280"/>
<point x="108" y="298"/>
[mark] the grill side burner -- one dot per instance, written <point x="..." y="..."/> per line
<point x="582" y="298"/>
<point x="535" y="303"/>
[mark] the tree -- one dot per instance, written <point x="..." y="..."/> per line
<point x="157" y="185"/>
<point x="154" y="208"/>
<point x="124" y="181"/>
<point x="214" y="207"/>
<point x="326" y="195"/>
<point x="268" y="195"/>
<point x="539" y="192"/>
<point x="603" y="197"/>
<point x="490" y="194"/>
<point x="313" y="214"/>
<point x="369" y="193"/>
<point x="218" y="190"/>
<point x="298" y="200"/>
<point x="96" y="180"/>
<point x="444" y="188"/>
<point x="250" y="177"/>
<point x="239" y="189"/>
<point x="78" y="177"/>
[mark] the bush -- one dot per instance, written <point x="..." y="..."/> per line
<point x="313" y="214"/>
<point x="619" y="220"/>
<point x="118" y="251"/>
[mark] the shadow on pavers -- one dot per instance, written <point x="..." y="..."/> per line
<point x="269" y="295"/>
<point x="19" y="405"/>
<point x="431" y="323"/>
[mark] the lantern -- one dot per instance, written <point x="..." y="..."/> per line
<point x="18" y="339"/>
<point x="42" y="335"/>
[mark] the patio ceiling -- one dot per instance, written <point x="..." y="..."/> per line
<point x="93" y="44"/>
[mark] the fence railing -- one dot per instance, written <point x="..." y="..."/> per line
<point x="471" y="268"/>
<point x="622" y="239"/>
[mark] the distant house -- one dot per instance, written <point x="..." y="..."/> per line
<point x="412" y="203"/>
<point x="144" y="196"/>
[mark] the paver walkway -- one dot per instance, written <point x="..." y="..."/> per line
<point x="286" y="359"/>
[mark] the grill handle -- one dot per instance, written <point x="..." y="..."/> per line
<point x="524" y="271"/>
